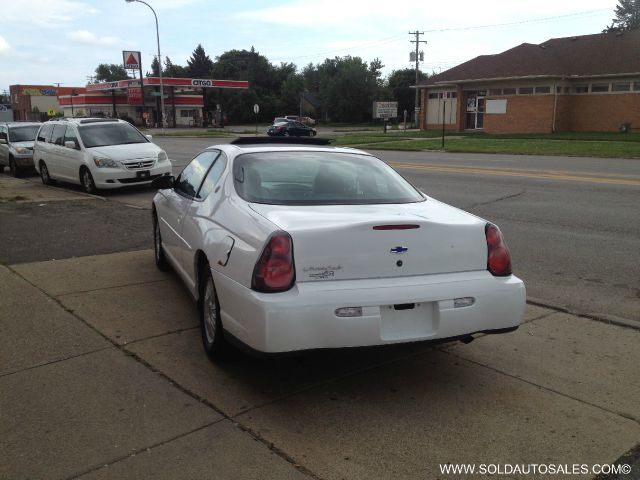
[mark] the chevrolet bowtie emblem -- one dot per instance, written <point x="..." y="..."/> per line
<point x="398" y="250"/>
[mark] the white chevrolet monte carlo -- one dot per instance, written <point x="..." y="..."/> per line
<point x="298" y="245"/>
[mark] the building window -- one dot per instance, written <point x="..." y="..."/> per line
<point x="599" y="87"/>
<point x="433" y="95"/>
<point x="495" y="91"/>
<point x="508" y="91"/>
<point x="580" y="89"/>
<point x="543" y="89"/>
<point x="636" y="86"/>
<point x="453" y="94"/>
<point x="620" y="87"/>
<point x="559" y="89"/>
<point x="525" y="90"/>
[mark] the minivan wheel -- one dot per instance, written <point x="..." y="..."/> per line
<point x="44" y="174"/>
<point x="86" y="179"/>
<point x="210" y="324"/>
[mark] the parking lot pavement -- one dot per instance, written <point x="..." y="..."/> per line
<point x="135" y="380"/>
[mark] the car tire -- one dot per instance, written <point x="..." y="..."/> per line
<point x="86" y="180"/>
<point x="13" y="168"/>
<point x="44" y="174"/>
<point x="211" y="330"/>
<point x="160" y="258"/>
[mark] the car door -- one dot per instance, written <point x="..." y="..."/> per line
<point x="70" y="158"/>
<point x="4" y="147"/>
<point x="198" y="220"/>
<point x="54" y="158"/>
<point x="175" y="204"/>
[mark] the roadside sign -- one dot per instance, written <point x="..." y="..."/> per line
<point x="256" y="108"/>
<point x="131" y="60"/>
<point x="385" y="109"/>
<point x="51" y="112"/>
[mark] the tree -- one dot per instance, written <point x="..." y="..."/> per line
<point x="347" y="87"/>
<point x="199" y="65"/>
<point x="399" y="83"/>
<point x="174" y="71"/>
<point x="110" y="72"/>
<point x="627" y="16"/>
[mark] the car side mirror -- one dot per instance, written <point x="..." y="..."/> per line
<point x="149" y="137"/>
<point x="163" y="182"/>
<point x="3" y="141"/>
<point x="71" y="144"/>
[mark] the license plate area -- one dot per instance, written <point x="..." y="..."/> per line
<point x="406" y="321"/>
<point x="143" y="174"/>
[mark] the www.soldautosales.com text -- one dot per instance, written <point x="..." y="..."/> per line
<point x="533" y="469"/>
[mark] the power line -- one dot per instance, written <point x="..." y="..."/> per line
<point x="521" y="22"/>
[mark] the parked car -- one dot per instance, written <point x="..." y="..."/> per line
<point x="97" y="153"/>
<point x="295" y="245"/>
<point x="16" y="146"/>
<point x="307" y="121"/>
<point x="290" y="129"/>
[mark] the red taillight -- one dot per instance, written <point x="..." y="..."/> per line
<point x="274" y="271"/>
<point x="498" y="256"/>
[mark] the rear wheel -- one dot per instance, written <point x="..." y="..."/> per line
<point x="210" y="323"/>
<point x="161" y="259"/>
<point x="44" y="174"/>
<point x="86" y="180"/>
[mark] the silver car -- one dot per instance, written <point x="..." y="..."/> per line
<point x="16" y="146"/>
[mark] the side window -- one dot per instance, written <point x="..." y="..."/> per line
<point x="71" y="136"/>
<point x="58" y="134"/>
<point x="212" y="177"/>
<point x="45" y="133"/>
<point x="191" y="177"/>
<point x="3" y="132"/>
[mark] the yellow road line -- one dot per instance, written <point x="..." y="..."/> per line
<point x="541" y="174"/>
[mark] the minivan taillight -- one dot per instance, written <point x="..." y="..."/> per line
<point x="498" y="256"/>
<point x="274" y="271"/>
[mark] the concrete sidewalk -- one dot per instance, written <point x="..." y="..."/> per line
<point x="103" y="375"/>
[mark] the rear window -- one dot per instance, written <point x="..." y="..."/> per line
<point x="319" y="178"/>
<point x="101" y="134"/>
<point x="23" y="134"/>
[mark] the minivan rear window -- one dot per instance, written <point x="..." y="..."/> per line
<point x="319" y="178"/>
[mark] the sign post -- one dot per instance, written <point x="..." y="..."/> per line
<point x="385" y="110"/>
<point x="256" y="110"/>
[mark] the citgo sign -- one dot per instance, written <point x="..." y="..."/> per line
<point x="201" y="83"/>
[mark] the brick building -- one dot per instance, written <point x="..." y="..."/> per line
<point x="585" y="83"/>
<point x="32" y="102"/>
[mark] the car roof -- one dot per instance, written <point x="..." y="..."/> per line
<point x="84" y="121"/>
<point x="21" y="124"/>
<point x="273" y="144"/>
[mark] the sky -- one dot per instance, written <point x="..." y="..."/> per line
<point x="63" y="41"/>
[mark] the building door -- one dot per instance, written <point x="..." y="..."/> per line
<point x="475" y="110"/>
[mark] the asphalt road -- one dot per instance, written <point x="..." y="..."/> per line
<point x="572" y="224"/>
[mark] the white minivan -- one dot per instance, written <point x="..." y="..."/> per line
<point x="97" y="153"/>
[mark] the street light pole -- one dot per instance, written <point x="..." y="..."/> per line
<point x="162" y="116"/>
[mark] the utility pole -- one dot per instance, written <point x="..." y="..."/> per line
<point x="417" y="41"/>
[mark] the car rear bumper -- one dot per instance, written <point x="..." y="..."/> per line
<point x="400" y="310"/>
<point x="107" y="178"/>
